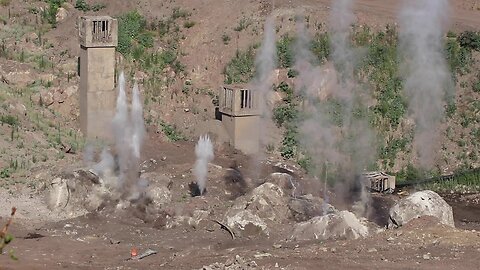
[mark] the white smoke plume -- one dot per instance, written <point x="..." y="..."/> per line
<point x="204" y="153"/>
<point x="341" y="19"/>
<point x="128" y="134"/>
<point x="265" y="64"/>
<point x="358" y="137"/>
<point x="347" y="147"/>
<point x="422" y="26"/>
<point x="121" y="128"/>
<point x="317" y="134"/>
<point x="138" y="133"/>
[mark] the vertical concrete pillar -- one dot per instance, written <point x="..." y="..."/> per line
<point x="98" y="36"/>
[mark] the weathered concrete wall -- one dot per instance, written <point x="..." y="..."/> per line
<point x="247" y="134"/>
<point x="97" y="93"/>
<point x="243" y="132"/>
<point x="98" y="37"/>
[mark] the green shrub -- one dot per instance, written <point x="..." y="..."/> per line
<point x="82" y="5"/>
<point x="470" y="39"/>
<point x="164" y="27"/>
<point x="98" y="6"/>
<point x="145" y="39"/>
<point x="410" y="173"/>
<point x="171" y="132"/>
<point x="243" y="24"/>
<point x="389" y="151"/>
<point x="241" y="68"/>
<point x="179" y="13"/>
<point x="9" y="120"/>
<point x="50" y="13"/>
<point x="5" y="3"/>
<point x="225" y="39"/>
<point x="285" y="113"/>
<point x="321" y="47"/>
<point x="188" y="24"/>
<point x="289" y="143"/>
<point x="130" y="26"/>
<point x="292" y="73"/>
<point x="5" y="173"/>
<point x="284" y="52"/>
<point x="476" y="86"/>
<point x="451" y="108"/>
<point x="459" y="57"/>
<point x="306" y="163"/>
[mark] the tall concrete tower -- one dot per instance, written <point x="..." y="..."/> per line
<point x="98" y="36"/>
<point x="240" y="117"/>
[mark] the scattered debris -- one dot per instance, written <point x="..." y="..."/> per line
<point x="262" y="255"/>
<point x="225" y="227"/>
<point x="147" y="253"/>
<point x="114" y="242"/>
<point x="237" y="263"/>
<point x="33" y="236"/>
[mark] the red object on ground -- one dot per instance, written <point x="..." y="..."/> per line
<point x="133" y="252"/>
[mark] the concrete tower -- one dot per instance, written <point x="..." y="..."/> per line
<point x="98" y="38"/>
<point x="240" y="117"/>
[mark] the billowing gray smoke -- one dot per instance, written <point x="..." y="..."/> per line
<point x="265" y="64"/>
<point x="341" y="19"/>
<point x="204" y="153"/>
<point x="358" y="137"/>
<point x="138" y="133"/>
<point x="121" y="174"/>
<point x="422" y="26"/>
<point x="346" y="147"/>
<point x="318" y="134"/>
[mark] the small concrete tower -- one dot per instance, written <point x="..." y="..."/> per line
<point x="240" y="117"/>
<point x="98" y="38"/>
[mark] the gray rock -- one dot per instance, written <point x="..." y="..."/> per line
<point x="159" y="194"/>
<point x="338" y="225"/>
<point x="306" y="207"/>
<point x="61" y="15"/>
<point x="421" y="203"/>
<point x="265" y="204"/>
<point x="246" y="223"/>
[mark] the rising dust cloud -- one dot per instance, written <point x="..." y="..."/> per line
<point x="204" y="153"/>
<point x="119" y="168"/>
<point x="422" y="26"/>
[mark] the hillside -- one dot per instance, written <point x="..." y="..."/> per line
<point x="194" y="46"/>
<point x="347" y="88"/>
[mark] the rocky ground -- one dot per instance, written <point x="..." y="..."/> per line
<point x="238" y="224"/>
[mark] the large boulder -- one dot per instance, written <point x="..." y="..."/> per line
<point x="245" y="223"/>
<point x="283" y="180"/>
<point x="421" y="203"/>
<point x="307" y="206"/>
<point x="337" y="225"/>
<point x="71" y="193"/>
<point x="265" y="204"/>
<point x="61" y="15"/>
